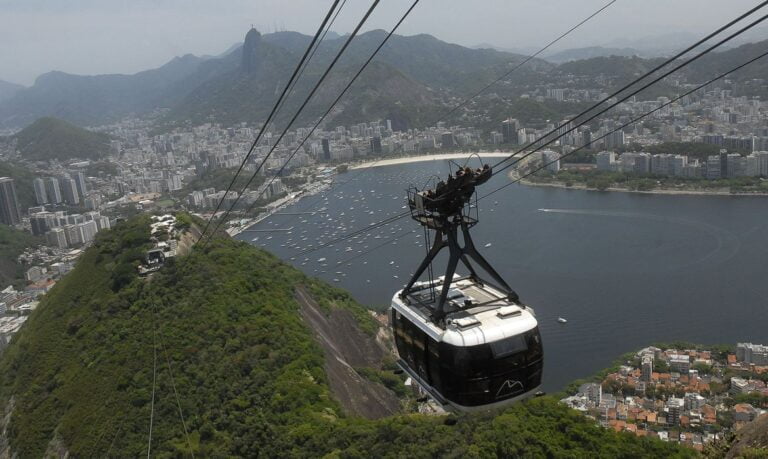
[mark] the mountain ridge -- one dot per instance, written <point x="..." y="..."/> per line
<point x="203" y="89"/>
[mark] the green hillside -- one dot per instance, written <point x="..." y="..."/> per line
<point x="51" y="138"/>
<point x="12" y="244"/>
<point x="249" y="376"/>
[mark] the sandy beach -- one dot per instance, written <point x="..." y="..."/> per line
<point x="435" y="157"/>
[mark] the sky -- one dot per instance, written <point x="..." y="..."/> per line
<point x="127" y="36"/>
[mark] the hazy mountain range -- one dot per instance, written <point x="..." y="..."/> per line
<point x="8" y="90"/>
<point x="410" y="81"/>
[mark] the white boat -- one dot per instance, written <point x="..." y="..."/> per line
<point x="488" y="244"/>
<point x="561" y="320"/>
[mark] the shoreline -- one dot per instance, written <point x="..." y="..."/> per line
<point x="274" y="207"/>
<point x="666" y="192"/>
<point x="425" y="158"/>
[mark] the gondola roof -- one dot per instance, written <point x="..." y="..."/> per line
<point x="490" y="318"/>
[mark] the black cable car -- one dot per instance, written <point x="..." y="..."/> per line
<point x="467" y="342"/>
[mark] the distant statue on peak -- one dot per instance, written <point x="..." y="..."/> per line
<point x="250" y="62"/>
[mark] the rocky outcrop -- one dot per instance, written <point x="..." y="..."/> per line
<point x="251" y="47"/>
<point x="347" y="347"/>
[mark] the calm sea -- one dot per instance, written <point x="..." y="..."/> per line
<point x="625" y="270"/>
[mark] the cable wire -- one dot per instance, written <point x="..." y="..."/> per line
<point x="173" y="385"/>
<point x="112" y="443"/>
<point x="336" y="101"/>
<point x="687" y="93"/>
<point x="154" y="385"/>
<point x="525" y="61"/>
<point x="298" y="112"/>
<point x="635" y="81"/>
<point x="730" y="37"/>
<point x="468" y="99"/>
<point x="634" y="120"/>
<point x="271" y="115"/>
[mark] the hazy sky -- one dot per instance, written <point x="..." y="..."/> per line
<point x="126" y="36"/>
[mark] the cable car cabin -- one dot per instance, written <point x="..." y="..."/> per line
<point x="487" y="355"/>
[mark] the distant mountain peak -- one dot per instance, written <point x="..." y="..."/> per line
<point x="251" y="46"/>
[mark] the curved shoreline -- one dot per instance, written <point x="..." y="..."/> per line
<point x="657" y="192"/>
<point x="424" y="158"/>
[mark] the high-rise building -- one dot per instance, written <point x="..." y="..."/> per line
<point x="82" y="187"/>
<point x="376" y="145"/>
<point x="326" y="149"/>
<point x="69" y="191"/>
<point x="103" y="222"/>
<point x="73" y="235"/>
<point x="752" y="353"/>
<point x="647" y="368"/>
<point x="674" y="407"/>
<point x="606" y="160"/>
<point x="39" y="223"/>
<point x="88" y="231"/>
<point x="41" y="197"/>
<point x="57" y="238"/>
<point x="52" y="190"/>
<point x="447" y="140"/>
<point x="714" y="167"/>
<point x="509" y="130"/>
<point x="593" y="391"/>
<point x="9" y="204"/>
<point x="551" y="161"/>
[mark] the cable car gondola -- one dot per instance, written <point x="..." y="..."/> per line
<point x="469" y="343"/>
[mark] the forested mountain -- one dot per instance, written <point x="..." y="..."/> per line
<point x="408" y="80"/>
<point x="589" y="52"/>
<point x="220" y="89"/>
<point x="235" y="358"/>
<point x="89" y="100"/>
<point x="51" y="138"/>
<point x="412" y="78"/>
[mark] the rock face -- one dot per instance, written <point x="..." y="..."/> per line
<point x="751" y="440"/>
<point x="251" y="47"/>
<point x="346" y="347"/>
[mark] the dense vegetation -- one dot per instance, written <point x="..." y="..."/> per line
<point x="51" y="138"/>
<point x="248" y="374"/>
<point x="602" y="180"/>
<point x="12" y="244"/>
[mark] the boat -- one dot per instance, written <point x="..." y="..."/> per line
<point x="488" y="245"/>
<point x="561" y="320"/>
